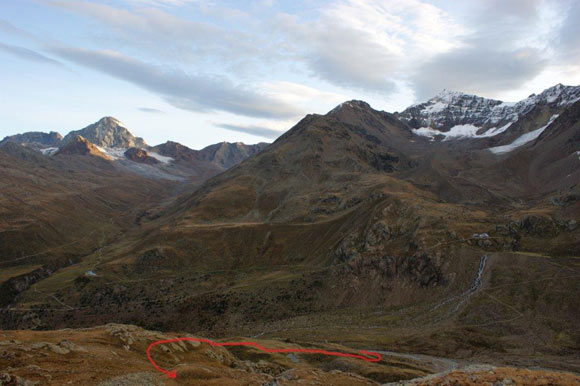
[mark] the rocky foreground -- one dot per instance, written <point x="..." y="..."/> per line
<point x="114" y="355"/>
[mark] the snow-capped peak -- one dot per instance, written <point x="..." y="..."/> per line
<point x="454" y="114"/>
<point x="560" y="94"/>
<point x="449" y="96"/>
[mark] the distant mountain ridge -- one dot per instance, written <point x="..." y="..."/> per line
<point x="449" y="109"/>
<point x="110" y="139"/>
<point x="35" y="139"/>
<point x="450" y="115"/>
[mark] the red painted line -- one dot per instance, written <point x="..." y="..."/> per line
<point x="375" y="357"/>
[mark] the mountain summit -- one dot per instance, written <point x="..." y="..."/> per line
<point x="107" y="132"/>
<point x="456" y="114"/>
<point x="449" y="108"/>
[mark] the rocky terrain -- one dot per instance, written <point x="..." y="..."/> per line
<point x="353" y="229"/>
<point x="113" y="355"/>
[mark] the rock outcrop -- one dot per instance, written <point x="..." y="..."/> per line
<point x="140" y="156"/>
<point x="81" y="146"/>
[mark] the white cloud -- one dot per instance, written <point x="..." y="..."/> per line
<point x="27" y="54"/>
<point x="368" y="45"/>
<point x="248" y="59"/>
<point x="297" y="93"/>
<point x="259" y="131"/>
<point x="162" y="3"/>
<point x="195" y="92"/>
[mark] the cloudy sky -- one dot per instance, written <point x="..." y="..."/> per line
<point x="205" y="71"/>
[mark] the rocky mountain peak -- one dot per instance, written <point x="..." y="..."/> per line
<point x="451" y="109"/>
<point x="448" y="109"/>
<point x="35" y="139"/>
<point x="227" y="154"/>
<point x="350" y="105"/>
<point x="108" y="132"/>
<point x="558" y="94"/>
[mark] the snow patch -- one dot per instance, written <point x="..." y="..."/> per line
<point x="113" y="153"/>
<point x="523" y="139"/>
<point x="49" y="151"/>
<point x="437" y="107"/>
<point x="160" y="157"/>
<point x="460" y="131"/>
<point x="496" y="130"/>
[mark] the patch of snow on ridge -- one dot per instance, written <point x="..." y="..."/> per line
<point x="523" y="139"/>
<point x="436" y="107"/>
<point x="496" y="130"/>
<point x="160" y="157"/>
<point x="460" y="131"/>
<point x="49" y="151"/>
<point x="113" y="153"/>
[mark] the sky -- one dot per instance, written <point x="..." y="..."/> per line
<point x="203" y="71"/>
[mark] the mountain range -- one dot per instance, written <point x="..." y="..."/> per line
<point x="450" y="229"/>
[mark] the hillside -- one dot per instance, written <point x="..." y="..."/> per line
<point x="430" y="245"/>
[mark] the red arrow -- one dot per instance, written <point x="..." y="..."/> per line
<point x="173" y="374"/>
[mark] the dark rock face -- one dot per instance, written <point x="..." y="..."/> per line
<point x="140" y="156"/>
<point x="35" y="139"/>
<point x="107" y="132"/>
